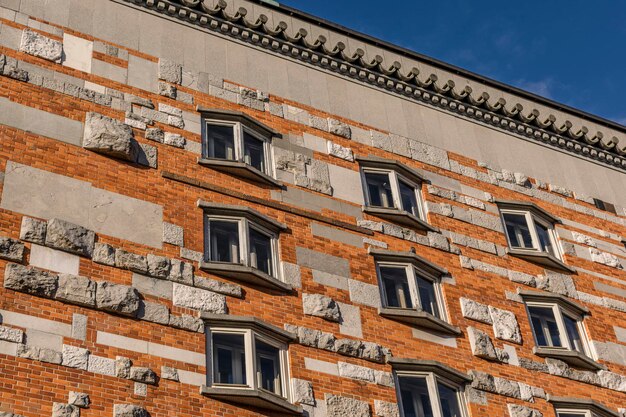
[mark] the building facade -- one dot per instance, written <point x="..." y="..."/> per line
<point x="232" y="208"/>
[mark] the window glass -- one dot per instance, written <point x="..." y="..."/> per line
<point x="449" y="401"/>
<point x="253" y="152"/>
<point x="379" y="189"/>
<point x="396" y="287"/>
<point x="221" y="142"/>
<point x="415" y="398"/>
<point x="545" y="243"/>
<point x="409" y="198"/>
<point x="229" y="359"/>
<point x="545" y="326"/>
<point x="517" y="230"/>
<point x="261" y="251"/>
<point x="268" y="367"/>
<point x="428" y="299"/>
<point x="572" y="414"/>
<point x="573" y="334"/>
<point x="224" y="241"/>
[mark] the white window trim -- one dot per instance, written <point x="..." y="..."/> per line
<point x="243" y="228"/>
<point x="412" y="274"/>
<point x="432" y="381"/>
<point x="250" y="337"/>
<point x="575" y="411"/>
<point x="531" y="219"/>
<point x="559" y="312"/>
<point x="394" y="179"/>
<point x="238" y="138"/>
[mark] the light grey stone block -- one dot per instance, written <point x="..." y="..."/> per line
<point x="79" y="399"/>
<point x="117" y="298"/>
<point x="108" y="136"/>
<point x="322" y="262"/>
<point x="146" y="155"/>
<point x="321" y="306"/>
<point x="170" y="71"/>
<point x="169" y="373"/>
<point x="70" y="237"/>
<point x="75" y="289"/>
<point x="153" y="312"/>
<point x="187" y="322"/>
<point x="30" y="280"/>
<point x="181" y="272"/>
<point x="350" y="323"/>
<point x="386" y="409"/>
<point x="153" y="286"/>
<point x="516" y="410"/>
<point x="54" y="260"/>
<point x="336" y="235"/>
<point x="507" y="388"/>
<point x="11" y="249"/>
<point x="302" y="391"/>
<point x="11" y="335"/>
<point x="100" y="365"/>
<point x="481" y="344"/>
<point x="131" y="261"/>
<point x="143" y="375"/>
<point x="174" y="140"/>
<point x="122" y="367"/>
<point x="505" y="325"/>
<point x="33" y="230"/>
<point x="199" y="299"/>
<point x="75" y="357"/>
<point x="140" y="389"/>
<point x="363" y="293"/>
<point x="557" y="283"/>
<point x="219" y="287"/>
<point x="475" y="311"/>
<point x="158" y="266"/>
<point x="330" y="280"/>
<point x="128" y="410"/>
<point x="191" y="255"/>
<point x="337" y="406"/>
<point x="34" y="43"/>
<point x="356" y="372"/>
<point x="173" y="234"/>
<point x="65" y="410"/>
<point x="104" y="254"/>
<point x="79" y="326"/>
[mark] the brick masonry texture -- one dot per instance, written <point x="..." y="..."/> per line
<point x="110" y="135"/>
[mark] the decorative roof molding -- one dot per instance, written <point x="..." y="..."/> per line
<point x="409" y="83"/>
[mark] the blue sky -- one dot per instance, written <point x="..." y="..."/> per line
<point x="571" y="51"/>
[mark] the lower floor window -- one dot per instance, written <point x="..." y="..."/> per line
<point x="556" y="328"/>
<point x="427" y="396"/>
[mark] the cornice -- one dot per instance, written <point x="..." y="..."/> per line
<point x="391" y="77"/>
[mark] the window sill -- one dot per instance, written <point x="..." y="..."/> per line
<point x="571" y="357"/>
<point x="419" y="318"/>
<point x="245" y="274"/>
<point x="252" y="397"/>
<point x="401" y="217"/>
<point x="542" y="258"/>
<point x="240" y="169"/>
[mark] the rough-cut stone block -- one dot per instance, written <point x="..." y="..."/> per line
<point x="220" y="287"/>
<point x="33" y="230"/>
<point x="321" y="306"/>
<point x="158" y="266"/>
<point x="122" y="367"/>
<point x="187" y="322"/>
<point x="156" y="313"/>
<point x="346" y="407"/>
<point x="339" y="128"/>
<point x="104" y="254"/>
<point x="144" y="375"/>
<point x="170" y="71"/>
<point x="11" y="249"/>
<point x="475" y="311"/>
<point x="174" y="139"/>
<point x="372" y="352"/>
<point x="384" y="378"/>
<point x="557" y="283"/>
<point x="131" y="261"/>
<point x="507" y="388"/>
<point x="613" y="381"/>
<point x="505" y="325"/>
<point x="348" y="347"/>
<point x="173" y="234"/>
<point x="30" y="280"/>
<point x="70" y="237"/>
<point x="108" y="136"/>
<point x="76" y="290"/>
<point x="481" y="344"/>
<point x="65" y="410"/>
<point x="339" y="151"/>
<point x="79" y="399"/>
<point x="516" y="410"/>
<point x="41" y="46"/>
<point x="181" y="272"/>
<point x="128" y="410"/>
<point x="100" y="365"/>
<point x="155" y="134"/>
<point x="362" y="373"/>
<point x="483" y="381"/>
<point x="169" y="373"/>
<point x="167" y="90"/>
<point x="75" y="357"/>
<point x="117" y="298"/>
<point x="11" y="335"/>
<point x="386" y="409"/>
<point x="146" y="155"/>
<point x="199" y="299"/>
<point x="140" y="389"/>
<point x="302" y="391"/>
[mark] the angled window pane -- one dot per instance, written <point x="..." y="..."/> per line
<point x="396" y="287"/>
<point x="545" y="326"/>
<point x="224" y="241"/>
<point x="415" y="397"/>
<point x="379" y="189"/>
<point x="253" y="152"/>
<point x="428" y="298"/>
<point x="260" y="251"/>
<point x="573" y="334"/>
<point x="572" y="414"/>
<point x="517" y="230"/>
<point x="221" y="142"/>
<point x="229" y="359"/>
<point x="409" y="199"/>
<point x="545" y="243"/>
<point x="268" y="367"/>
<point x="449" y="401"/>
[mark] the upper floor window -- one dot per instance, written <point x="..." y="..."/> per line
<point x="411" y="290"/>
<point x="242" y="243"/>
<point x="580" y="407"/>
<point x="393" y="191"/>
<point x="248" y="362"/>
<point x="429" y="389"/>
<point x="236" y="143"/>
<point x="530" y="233"/>
<point x="557" y="325"/>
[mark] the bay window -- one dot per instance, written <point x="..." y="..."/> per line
<point x="580" y="407"/>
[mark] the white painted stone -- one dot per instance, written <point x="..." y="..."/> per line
<point x="54" y="260"/>
<point x="78" y="52"/>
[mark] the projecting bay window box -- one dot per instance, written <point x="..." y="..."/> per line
<point x="237" y="144"/>
<point x="530" y="234"/>
<point x="411" y="291"/>
<point x="392" y="191"/>
<point x="580" y="407"/>
<point x="248" y="363"/>
<point x="242" y="244"/>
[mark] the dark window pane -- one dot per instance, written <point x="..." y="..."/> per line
<point x="415" y="398"/>
<point x="428" y="299"/>
<point x="224" y="241"/>
<point x="379" y="189"/>
<point x="253" y="152"/>
<point x="409" y="199"/>
<point x="517" y="230"/>
<point x="572" y="415"/>
<point x="261" y="251"/>
<point x="449" y="401"/>
<point x="229" y="365"/>
<point x="545" y="244"/>
<point x="396" y="287"/>
<point x="545" y="327"/>
<point x="573" y="334"/>
<point x="268" y="367"/>
<point x="220" y="142"/>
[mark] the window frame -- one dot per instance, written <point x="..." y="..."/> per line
<point x="531" y="221"/>
<point x="394" y="178"/>
<point x="583" y="407"/>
